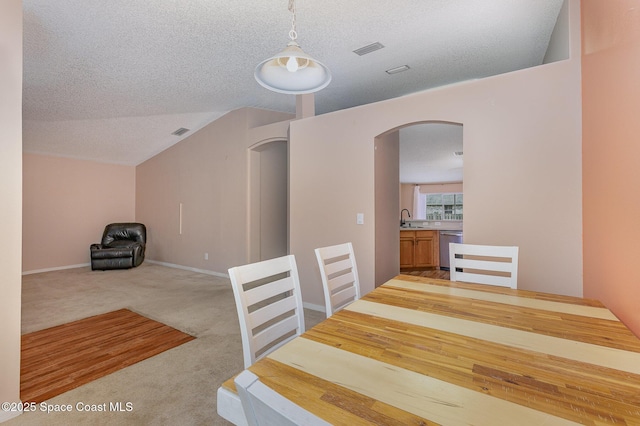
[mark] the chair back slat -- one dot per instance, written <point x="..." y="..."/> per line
<point x="341" y="281"/>
<point x="271" y="312"/>
<point x="339" y="266"/>
<point x="266" y="268"/>
<point x="269" y="289"/>
<point x="484" y="265"/>
<point x="343" y="297"/>
<point x="271" y="338"/>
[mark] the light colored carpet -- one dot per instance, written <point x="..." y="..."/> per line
<point x="175" y="387"/>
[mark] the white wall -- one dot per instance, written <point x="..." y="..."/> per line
<point x="522" y="144"/>
<point x="11" y="196"/>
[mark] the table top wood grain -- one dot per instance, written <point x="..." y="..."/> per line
<point x="423" y="351"/>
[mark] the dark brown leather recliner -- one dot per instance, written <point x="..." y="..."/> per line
<point x="122" y="247"/>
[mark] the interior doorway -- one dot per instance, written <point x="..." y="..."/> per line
<point x="268" y="200"/>
<point x="445" y="139"/>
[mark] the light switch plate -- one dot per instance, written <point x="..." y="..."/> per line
<point x="360" y="219"/>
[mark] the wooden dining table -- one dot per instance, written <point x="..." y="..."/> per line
<point x="421" y="351"/>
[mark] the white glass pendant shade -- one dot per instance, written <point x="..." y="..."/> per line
<point x="293" y="72"/>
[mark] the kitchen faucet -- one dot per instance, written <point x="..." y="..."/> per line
<point x="402" y="222"/>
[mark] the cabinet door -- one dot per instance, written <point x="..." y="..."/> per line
<point x="426" y="249"/>
<point x="424" y="252"/>
<point x="406" y="251"/>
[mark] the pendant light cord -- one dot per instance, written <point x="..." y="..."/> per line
<point x="292" y="8"/>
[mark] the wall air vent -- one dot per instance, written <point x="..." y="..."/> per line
<point x="181" y="131"/>
<point x="368" y="48"/>
<point x="458" y="153"/>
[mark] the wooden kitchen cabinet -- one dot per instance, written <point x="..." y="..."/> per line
<point x="419" y="249"/>
<point x="427" y="252"/>
<point x="407" y="242"/>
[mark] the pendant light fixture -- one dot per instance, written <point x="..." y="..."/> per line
<point x="292" y="71"/>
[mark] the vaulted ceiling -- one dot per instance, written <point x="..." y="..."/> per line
<point x="110" y="81"/>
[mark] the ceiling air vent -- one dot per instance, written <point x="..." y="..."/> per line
<point x="368" y="48"/>
<point x="181" y="131"/>
<point x="396" y="70"/>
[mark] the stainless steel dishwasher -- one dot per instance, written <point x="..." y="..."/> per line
<point x="447" y="237"/>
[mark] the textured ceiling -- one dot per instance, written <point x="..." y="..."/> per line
<point x="427" y="153"/>
<point x="110" y="81"/>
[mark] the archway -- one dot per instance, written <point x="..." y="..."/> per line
<point x="268" y="200"/>
<point x="388" y="190"/>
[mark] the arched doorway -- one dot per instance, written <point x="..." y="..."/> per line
<point x="427" y="138"/>
<point x="268" y="200"/>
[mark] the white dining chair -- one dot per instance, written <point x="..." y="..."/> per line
<point x="269" y="305"/>
<point x="482" y="264"/>
<point x="339" y="275"/>
<point x="263" y="406"/>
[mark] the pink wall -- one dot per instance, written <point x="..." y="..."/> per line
<point x="387" y="176"/>
<point x="67" y="203"/>
<point x="10" y="194"/>
<point x="611" y="151"/>
<point x="208" y="173"/>
<point x="273" y="189"/>
<point x="522" y="145"/>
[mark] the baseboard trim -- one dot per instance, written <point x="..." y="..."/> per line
<point x="314" y="307"/>
<point x="170" y="265"/>
<point x="57" y="268"/>
<point x="8" y="415"/>
<point x="188" y="268"/>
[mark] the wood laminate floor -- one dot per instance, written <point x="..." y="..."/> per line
<point x="64" y="357"/>
<point x="434" y="273"/>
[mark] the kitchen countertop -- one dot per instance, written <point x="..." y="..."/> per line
<point x="428" y="228"/>
<point x="431" y="226"/>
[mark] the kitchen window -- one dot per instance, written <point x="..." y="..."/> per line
<point x="444" y="206"/>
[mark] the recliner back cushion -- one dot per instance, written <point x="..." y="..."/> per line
<point x="119" y="234"/>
